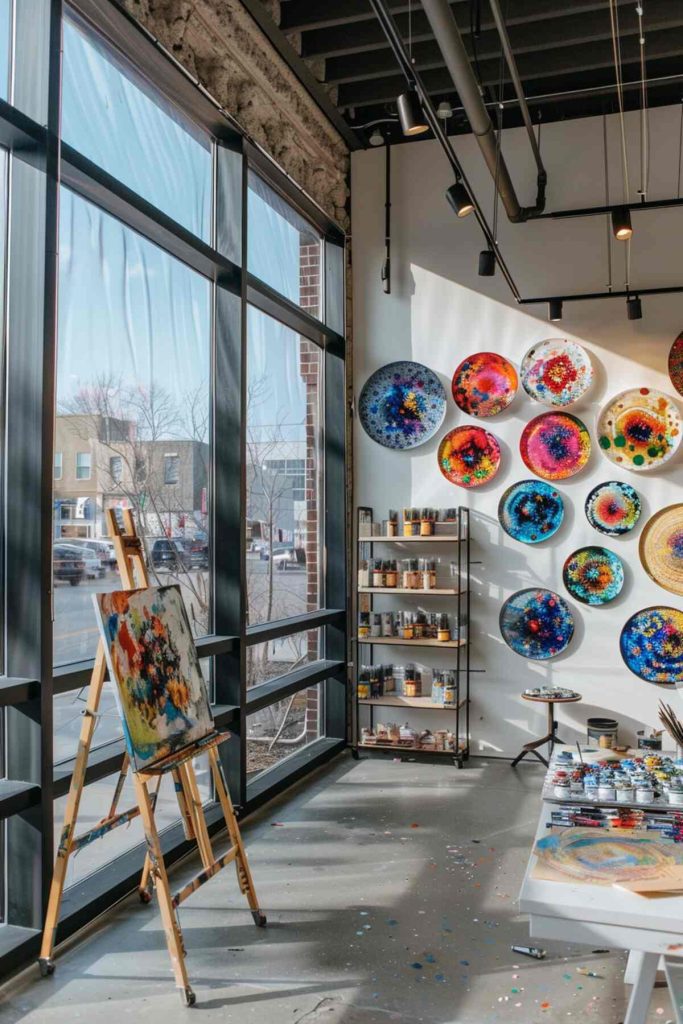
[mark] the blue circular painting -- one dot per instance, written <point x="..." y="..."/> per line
<point x="536" y="623"/>
<point x="402" y="405"/>
<point x="652" y="645"/>
<point x="531" y="511"/>
<point x="593" y="575"/>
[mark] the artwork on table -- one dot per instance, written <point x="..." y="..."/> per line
<point x="556" y="372"/>
<point x="661" y="548"/>
<point x="639" y="429"/>
<point x="613" y="508"/>
<point x="536" y="623"/>
<point x="469" y="456"/>
<point x="593" y="575"/>
<point x="484" y="384"/>
<point x="652" y="645"/>
<point x="153" y="663"/>
<point x="402" y="405"/>
<point x="531" y="511"/>
<point x="605" y="856"/>
<point x="555" y="445"/>
<point x="676" y="364"/>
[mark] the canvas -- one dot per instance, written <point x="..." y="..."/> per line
<point x="153" y="663"/>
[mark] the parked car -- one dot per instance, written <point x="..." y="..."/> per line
<point x="67" y="564"/>
<point x="171" y="554"/>
<point x="104" y="549"/>
<point x="198" y="551"/>
<point x="285" y="556"/>
<point x="94" y="569"/>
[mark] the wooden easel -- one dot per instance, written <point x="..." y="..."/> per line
<point x="130" y="559"/>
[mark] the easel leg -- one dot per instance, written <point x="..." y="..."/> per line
<point x="174" y="939"/>
<point x="193" y="802"/>
<point x="45" y="960"/>
<point x="644" y="981"/>
<point x="244" y="878"/>
<point x="144" y="891"/>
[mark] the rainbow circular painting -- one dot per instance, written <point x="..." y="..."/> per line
<point x="556" y="372"/>
<point x="613" y="508"/>
<point x="484" y="384"/>
<point x="469" y="456"/>
<point x="652" y="645"/>
<point x="531" y="511"/>
<point x="402" y="405"/>
<point x="536" y="624"/>
<point x="593" y="575"/>
<point x="676" y="364"/>
<point x="639" y="429"/>
<point x="661" y="548"/>
<point x="555" y="445"/>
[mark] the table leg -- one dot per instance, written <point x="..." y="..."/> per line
<point x="643" y="968"/>
<point x="674" y="979"/>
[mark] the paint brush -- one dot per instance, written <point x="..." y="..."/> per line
<point x="578" y="747"/>
<point x="537" y="954"/>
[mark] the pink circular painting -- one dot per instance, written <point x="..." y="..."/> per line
<point x="469" y="456"/>
<point x="555" y="445"/>
<point x="484" y="384"/>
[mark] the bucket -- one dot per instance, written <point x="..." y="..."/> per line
<point x="597" y="727"/>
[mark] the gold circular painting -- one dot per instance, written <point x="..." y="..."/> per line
<point x="639" y="429"/>
<point x="661" y="548"/>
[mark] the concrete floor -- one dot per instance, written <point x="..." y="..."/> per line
<point x="391" y="894"/>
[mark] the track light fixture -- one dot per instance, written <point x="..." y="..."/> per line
<point x="487" y="263"/>
<point x="458" y="196"/>
<point x="413" y="121"/>
<point x="555" y="310"/>
<point x="621" y="223"/>
<point x="376" y="139"/>
<point x="634" y="308"/>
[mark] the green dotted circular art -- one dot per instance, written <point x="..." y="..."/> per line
<point x="640" y="429"/>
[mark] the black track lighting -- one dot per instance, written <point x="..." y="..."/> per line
<point x="487" y="263"/>
<point x="458" y="196"/>
<point x="413" y="121"/>
<point x="634" y="308"/>
<point x="555" y="310"/>
<point x="621" y="223"/>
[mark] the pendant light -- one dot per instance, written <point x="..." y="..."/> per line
<point x="555" y="310"/>
<point x="413" y="121"/>
<point x="634" y="308"/>
<point x="621" y="223"/>
<point x="487" y="263"/>
<point x="459" y="198"/>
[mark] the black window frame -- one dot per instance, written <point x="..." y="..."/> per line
<point x="30" y="130"/>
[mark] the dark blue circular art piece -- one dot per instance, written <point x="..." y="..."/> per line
<point x="593" y="575"/>
<point x="402" y="405"/>
<point x="652" y="645"/>
<point x="536" y="623"/>
<point x="531" y="511"/>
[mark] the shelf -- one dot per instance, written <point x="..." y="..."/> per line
<point x="412" y="702"/>
<point x="433" y="539"/>
<point x="399" y="642"/>
<point x="400" y="748"/>
<point x="435" y="591"/>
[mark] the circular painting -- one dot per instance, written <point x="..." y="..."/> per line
<point x="531" y="511"/>
<point x="613" y="508"/>
<point x="536" y="623"/>
<point x="484" y="384"/>
<point x="469" y="456"/>
<point x="556" y="372"/>
<point x="639" y="429"/>
<point x="652" y="645"/>
<point x="661" y="548"/>
<point x="402" y="405"/>
<point x="593" y="575"/>
<point x="555" y="445"/>
<point x="603" y="855"/>
<point x="676" y="364"/>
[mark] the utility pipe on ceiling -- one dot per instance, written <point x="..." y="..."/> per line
<point x="449" y="40"/>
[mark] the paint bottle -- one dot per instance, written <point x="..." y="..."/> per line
<point x="390" y="574"/>
<point x="437" y="688"/>
<point x="363" y="688"/>
<point x="377" y="573"/>
<point x="426" y="522"/>
<point x="428" y="573"/>
<point x="412" y="682"/>
<point x="392" y="524"/>
<point x="376" y="689"/>
<point x="444" y="633"/>
<point x="407" y="522"/>
<point x="376" y="624"/>
<point x="364" y="624"/>
<point x="420" y="626"/>
<point x="407" y="630"/>
<point x="364" y="573"/>
<point x="387" y="623"/>
<point x="449" y="690"/>
<point x="388" y="679"/>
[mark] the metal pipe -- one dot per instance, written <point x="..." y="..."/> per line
<point x="596" y="211"/>
<point x="589" y="296"/>
<point x="386" y="266"/>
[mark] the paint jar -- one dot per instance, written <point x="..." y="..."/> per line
<point x="450" y="690"/>
<point x="408" y="573"/>
<point x="364" y="573"/>
<point x="449" y="515"/>
<point x="428" y="573"/>
<point x="645" y="793"/>
<point x="407" y="628"/>
<point x="444" y="632"/>
<point x="605" y="742"/>
<point x="427" y="519"/>
<point x="606" y="791"/>
<point x="376" y="689"/>
<point x="387" y="623"/>
<point x="363" y="688"/>
<point x="624" y="791"/>
<point x="364" y="624"/>
<point x="392" y="523"/>
<point x="376" y="624"/>
<point x="597" y="727"/>
<point x="412" y="682"/>
<point x="388" y="679"/>
<point x="420" y="626"/>
<point x="576" y="784"/>
<point x="407" y="522"/>
<point x="378" y="573"/>
<point x="675" y="794"/>
<point x="390" y="574"/>
<point x="437" y="688"/>
<point x="561" y="789"/>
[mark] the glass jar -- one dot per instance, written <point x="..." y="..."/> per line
<point x="388" y="679"/>
<point x="420" y="626"/>
<point x="363" y="688"/>
<point x="407" y="627"/>
<point x="392" y="523"/>
<point x="412" y="682"/>
<point x="437" y="688"/>
<point x="376" y="624"/>
<point x="364" y="624"/>
<point x="444" y="632"/>
<point x="390" y="574"/>
<point x="449" y="690"/>
<point x="376" y="689"/>
<point x="364" y="573"/>
<point x="428" y="573"/>
<point x="378" y="573"/>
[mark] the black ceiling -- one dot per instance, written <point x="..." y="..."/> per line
<point x="561" y="47"/>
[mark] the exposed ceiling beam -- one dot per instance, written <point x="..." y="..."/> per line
<point x="300" y="15"/>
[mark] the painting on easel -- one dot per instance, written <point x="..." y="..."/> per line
<point x="153" y="662"/>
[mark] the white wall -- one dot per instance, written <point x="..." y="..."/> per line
<point x="440" y="311"/>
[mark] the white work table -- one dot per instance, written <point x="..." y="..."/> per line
<point x="600" y="915"/>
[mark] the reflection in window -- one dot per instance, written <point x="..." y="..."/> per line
<point x="283" y="729"/>
<point x="58" y="466"/>
<point x="171" y="469"/>
<point x="5" y="43"/>
<point x="284" y="250"/>
<point x="285" y="654"/>
<point x="284" y="386"/>
<point x="133" y="384"/>
<point x="113" y="116"/>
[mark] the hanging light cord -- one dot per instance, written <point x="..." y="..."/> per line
<point x="499" y="139"/>
<point x="410" y="31"/>
<point x="607" y="218"/>
<point x="616" y="49"/>
<point x="644" y="113"/>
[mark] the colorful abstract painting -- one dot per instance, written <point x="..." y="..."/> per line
<point x="555" y="445"/>
<point x="556" y="372"/>
<point x="593" y="575"/>
<point x="613" y="508"/>
<point x="469" y="456"/>
<point x="402" y="405"/>
<point x="605" y="856"/>
<point x="676" y="364"/>
<point x="484" y="384"/>
<point x="661" y="548"/>
<point x="153" y="662"/>
<point x="639" y="429"/>
<point x="531" y="511"/>
<point x="536" y="623"/>
<point x="652" y="645"/>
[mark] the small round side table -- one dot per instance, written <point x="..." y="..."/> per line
<point x="551" y="738"/>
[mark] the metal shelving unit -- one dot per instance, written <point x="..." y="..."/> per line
<point x="459" y="539"/>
